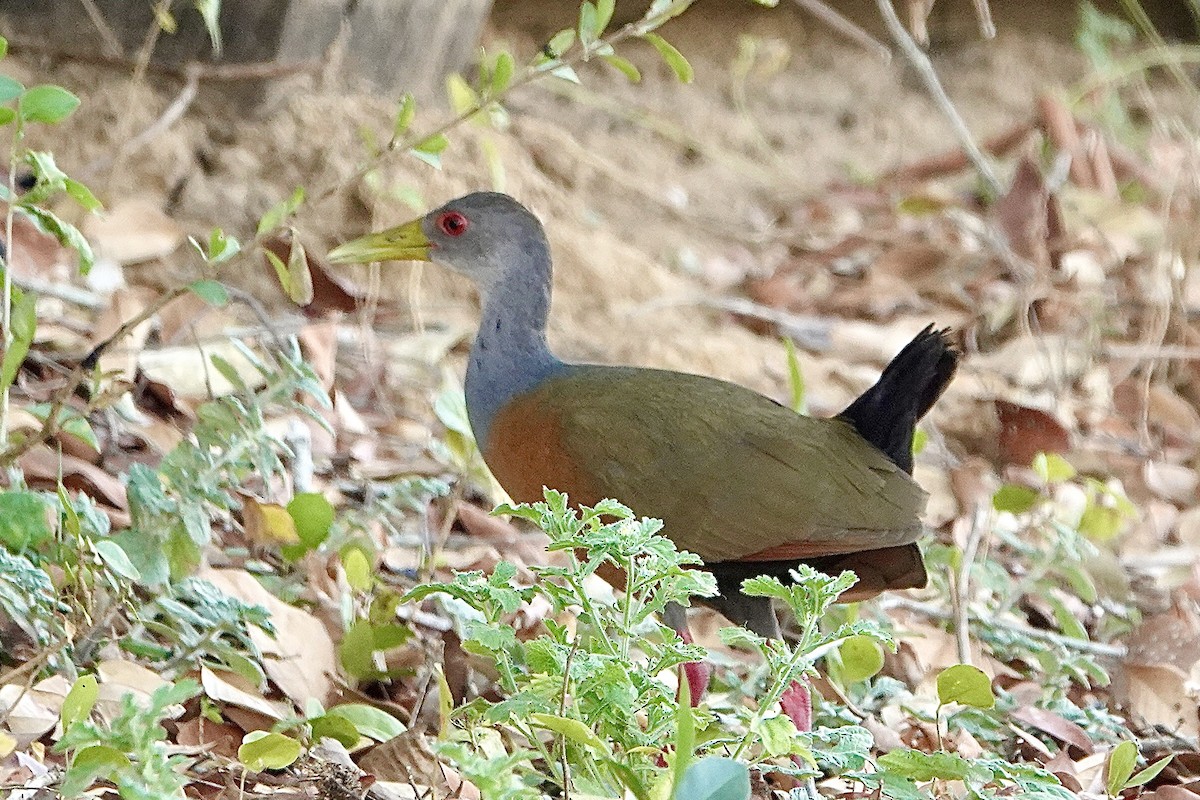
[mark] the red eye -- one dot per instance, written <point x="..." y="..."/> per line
<point x="453" y="223"/>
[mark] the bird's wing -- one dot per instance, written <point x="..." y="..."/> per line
<point x="734" y="475"/>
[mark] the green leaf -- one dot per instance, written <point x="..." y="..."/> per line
<point x="80" y="701"/>
<point x="862" y="658"/>
<point x="49" y="104"/>
<point x="588" y="18"/>
<point x="24" y="324"/>
<point x="1053" y="468"/>
<point x="268" y="750"/>
<point x="623" y="66"/>
<point x="1149" y="773"/>
<point x="66" y="234"/>
<point x="460" y="94"/>
<point x="572" y="729"/>
<point x="502" y="72"/>
<point x="210" y="10"/>
<point x="965" y="684"/>
<point x="1015" y="499"/>
<point x="116" y="559"/>
<point x="405" y="111"/>
<point x="10" y="89"/>
<point x="23" y="317"/>
<point x="560" y="43"/>
<point x="685" y="731"/>
<point x="335" y="727"/>
<point x="1121" y="762"/>
<point x="369" y="721"/>
<point x="313" y="515"/>
<point x="921" y="766"/>
<point x="212" y="292"/>
<point x="280" y="211"/>
<point x="362" y="640"/>
<point x="714" y="778"/>
<point x="3" y="47"/>
<point x="81" y="195"/>
<point x="604" y="13"/>
<point x="674" y="58"/>
<point x="430" y="150"/>
<point x="358" y="570"/>
<point x="90" y="764"/>
<point x="7" y="115"/>
<point x="795" y="376"/>
<point x="565" y="73"/>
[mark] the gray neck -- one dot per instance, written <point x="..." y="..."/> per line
<point x="510" y="354"/>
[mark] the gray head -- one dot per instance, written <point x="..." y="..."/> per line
<point x="486" y="236"/>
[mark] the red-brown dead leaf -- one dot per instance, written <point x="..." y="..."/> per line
<point x="1025" y="432"/>
<point x="1172" y="793"/>
<point x="42" y="468"/>
<point x="219" y="738"/>
<point x="35" y="254"/>
<point x="328" y="293"/>
<point x="1022" y="214"/>
<point x="1055" y="725"/>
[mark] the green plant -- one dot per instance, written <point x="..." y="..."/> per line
<point x="610" y="736"/>
<point x="230" y="449"/>
<point x="131" y="750"/>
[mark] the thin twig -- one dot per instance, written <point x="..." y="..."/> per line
<point x="112" y="46"/>
<point x="58" y="401"/>
<point x="172" y="114"/>
<point x="962" y="586"/>
<point x="924" y="67"/>
<point x="208" y="73"/>
<point x="61" y="291"/>
<point x="938" y="613"/>
<point x="845" y="27"/>
<point x="983" y="12"/>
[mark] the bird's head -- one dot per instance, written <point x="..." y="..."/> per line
<point x="479" y="235"/>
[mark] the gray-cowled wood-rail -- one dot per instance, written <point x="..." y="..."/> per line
<point x="742" y="481"/>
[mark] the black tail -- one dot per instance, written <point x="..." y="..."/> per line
<point x="886" y="414"/>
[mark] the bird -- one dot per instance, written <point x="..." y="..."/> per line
<point x="744" y="482"/>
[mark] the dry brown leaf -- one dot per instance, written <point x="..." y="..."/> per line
<point x="218" y="738"/>
<point x="190" y="317"/>
<point x="36" y="254"/>
<point x="1025" y="432"/>
<point x="42" y="468"/>
<point x="301" y="659"/>
<point x="326" y="293"/>
<point x="232" y="689"/>
<point x="407" y="759"/>
<point x="1157" y="696"/>
<point x="26" y="716"/>
<point x="124" y="304"/>
<point x="1173" y="482"/>
<point x="188" y="369"/>
<point x="1169" y="792"/>
<point x="1055" y="725"/>
<point x="318" y="341"/>
<point x="131" y="230"/>
<point x="1022" y="214"/>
